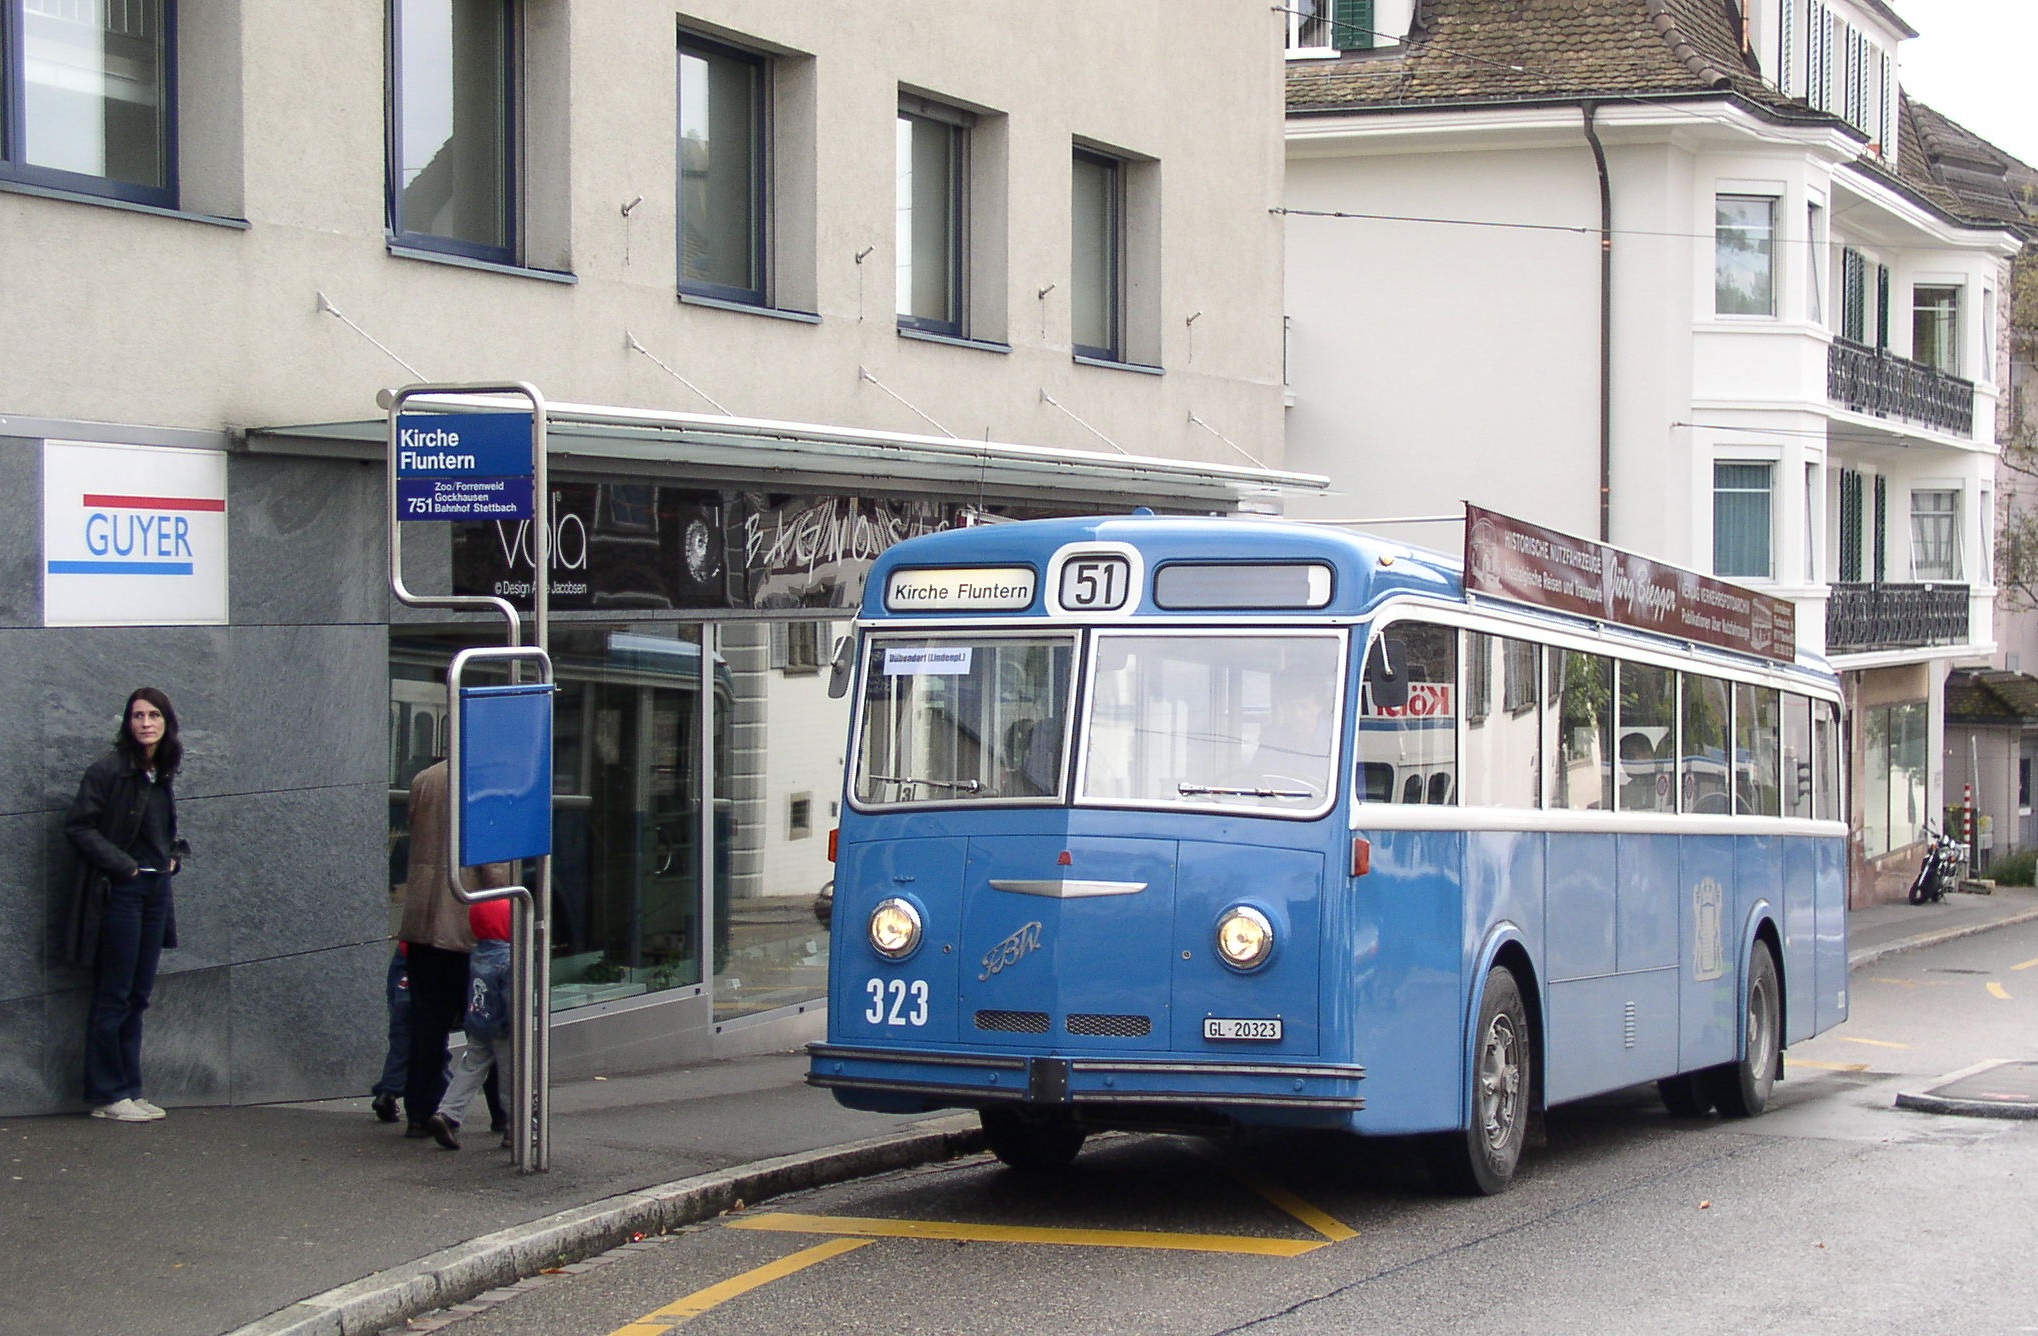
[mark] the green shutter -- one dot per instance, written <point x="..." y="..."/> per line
<point x="1351" y="25"/>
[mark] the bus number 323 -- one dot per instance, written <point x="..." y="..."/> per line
<point x="898" y="1013"/>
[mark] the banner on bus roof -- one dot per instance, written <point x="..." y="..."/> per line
<point x="1512" y="559"/>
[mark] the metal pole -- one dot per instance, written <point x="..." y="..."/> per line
<point x="531" y="934"/>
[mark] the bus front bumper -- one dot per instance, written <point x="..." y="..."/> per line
<point x="890" y="1080"/>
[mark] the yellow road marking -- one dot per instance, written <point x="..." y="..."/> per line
<point x="869" y="1227"/>
<point x="700" y="1301"/>
<point x="1322" y="1222"/>
<point x="2026" y="965"/>
<point x="1998" y="990"/>
<point x="1876" y="1043"/>
<point x="1829" y="1066"/>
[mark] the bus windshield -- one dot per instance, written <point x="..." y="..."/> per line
<point x="950" y="719"/>
<point x="1230" y="719"/>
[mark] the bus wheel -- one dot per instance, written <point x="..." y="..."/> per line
<point x="1686" y="1095"/>
<point x="1032" y="1140"/>
<point x="1741" y="1089"/>
<point x="1480" y="1160"/>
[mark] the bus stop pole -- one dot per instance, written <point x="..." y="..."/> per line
<point x="531" y="932"/>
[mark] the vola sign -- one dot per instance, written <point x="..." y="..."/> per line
<point x="133" y="535"/>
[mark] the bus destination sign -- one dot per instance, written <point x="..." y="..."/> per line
<point x="962" y="589"/>
<point x="1511" y="559"/>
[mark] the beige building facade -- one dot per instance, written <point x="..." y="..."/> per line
<point x="796" y="280"/>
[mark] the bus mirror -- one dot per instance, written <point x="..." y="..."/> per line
<point x="1387" y="674"/>
<point x="838" y="668"/>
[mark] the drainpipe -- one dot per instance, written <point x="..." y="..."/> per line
<point x="1605" y="326"/>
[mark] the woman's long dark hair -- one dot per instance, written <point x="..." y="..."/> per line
<point x="169" y="751"/>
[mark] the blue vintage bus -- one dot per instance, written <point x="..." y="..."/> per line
<point x="1197" y="824"/>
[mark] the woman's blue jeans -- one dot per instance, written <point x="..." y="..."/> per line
<point x="123" y="977"/>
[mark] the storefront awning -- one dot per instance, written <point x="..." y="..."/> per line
<point x="712" y="450"/>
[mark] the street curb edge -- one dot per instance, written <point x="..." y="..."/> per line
<point x="456" y="1274"/>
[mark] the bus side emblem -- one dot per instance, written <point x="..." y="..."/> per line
<point x="1012" y="950"/>
<point x="1708" y="938"/>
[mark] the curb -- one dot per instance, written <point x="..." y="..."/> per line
<point x="456" y="1274"/>
<point x="1869" y="955"/>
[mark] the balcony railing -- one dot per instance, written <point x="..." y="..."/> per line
<point x="1895" y="616"/>
<point x="1879" y="383"/>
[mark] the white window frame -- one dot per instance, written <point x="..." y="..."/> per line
<point x="1301" y="13"/>
<point x="1773" y="197"/>
<point x="1953" y="570"/>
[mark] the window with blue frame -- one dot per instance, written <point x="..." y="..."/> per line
<point x="452" y="127"/>
<point x="1097" y="249"/>
<point x="88" y="97"/>
<point x="721" y="171"/>
<point x="931" y="210"/>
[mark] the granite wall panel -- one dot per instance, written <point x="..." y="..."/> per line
<point x="311" y="1026"/>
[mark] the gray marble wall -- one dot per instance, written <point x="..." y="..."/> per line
<point x="276" y="991"/>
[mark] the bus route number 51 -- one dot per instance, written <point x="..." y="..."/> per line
<point x="1095" y="584"/>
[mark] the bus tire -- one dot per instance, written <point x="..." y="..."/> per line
<point x="1685" y="1095"/>
<point x="1741" y="1089"/>
<point x="1034" y="1141"/>
<point x="1480" y="1159"/>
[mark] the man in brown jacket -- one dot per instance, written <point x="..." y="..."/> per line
<point x="437" y="942"/>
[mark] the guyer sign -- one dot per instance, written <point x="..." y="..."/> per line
<point x="1508" y="558"/>
<point x="133" y="535"/>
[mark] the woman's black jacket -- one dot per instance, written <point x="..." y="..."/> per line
<point x="103" y="820"/>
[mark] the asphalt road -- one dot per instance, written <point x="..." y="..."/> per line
<point x="1836" y="1211"/>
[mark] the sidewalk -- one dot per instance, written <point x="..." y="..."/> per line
<point x="316" y="1220"/>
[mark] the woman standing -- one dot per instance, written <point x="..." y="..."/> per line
<point x="124" y="824"/>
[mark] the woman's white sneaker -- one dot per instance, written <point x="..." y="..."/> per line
<point x="124" y="1111"/>
<point x="153" y="1111"/>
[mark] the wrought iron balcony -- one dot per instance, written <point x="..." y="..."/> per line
<point x="1879" y="383"/>
<point x="1895" y="616"/>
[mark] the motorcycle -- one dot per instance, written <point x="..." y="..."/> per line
<point x="1940" y="872"/>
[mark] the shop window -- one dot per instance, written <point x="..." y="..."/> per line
<point x="1893" y="776"/>
<point x="453" y="128"/>
<point x="87" y="98"/>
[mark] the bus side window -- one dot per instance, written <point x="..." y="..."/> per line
<point x="1581" y="698"/>
<point x="1797" y="756"/>
<point x="1755" y="749"/>
<point x="1411" y="792"/>
<point x="1826" y="760"/>
<point x="1702" y="779"/>
<point x="1503" y="742"/>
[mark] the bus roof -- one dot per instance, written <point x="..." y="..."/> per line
<point x="1366" y="570"/>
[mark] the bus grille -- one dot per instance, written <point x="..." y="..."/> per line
<point x="1110" y="1027"/>
<point x="1013" y="1022"/>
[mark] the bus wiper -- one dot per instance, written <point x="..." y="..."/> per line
<point x="1187" y="790"/>
<point x="957" y="785"/>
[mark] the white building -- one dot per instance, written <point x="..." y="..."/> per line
<point x="798" y="279"/>
<point x="1671" y="272"/>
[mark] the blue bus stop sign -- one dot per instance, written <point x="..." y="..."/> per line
<point x="505" y="779"/>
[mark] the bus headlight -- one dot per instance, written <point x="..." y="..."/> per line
<point x="894" y="929"/>
<point x="1244" y="937"/>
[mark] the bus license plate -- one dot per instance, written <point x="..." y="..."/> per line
<point x="1223" y="1027"/>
